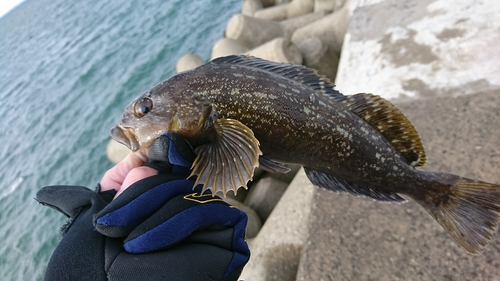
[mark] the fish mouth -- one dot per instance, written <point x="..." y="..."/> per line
<point x="125" y="136"/>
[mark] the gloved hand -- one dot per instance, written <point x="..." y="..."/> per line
<point x="157" y="229"/>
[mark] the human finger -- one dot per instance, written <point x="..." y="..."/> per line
<point x="114" y="177"/>
<point x="135" y="175"/>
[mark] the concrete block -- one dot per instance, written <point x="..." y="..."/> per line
<point x="421" y="49"/>
<point x="188" y="62"/>
<point x="249" y="7"/>
<point x="252" y="32"/>
<point x="264" y="196"/>
<point x="278" y="50"/>
<point x="257" y="174"/>
<point x="279" y="2"/>
<point x="268" y="3"/>
<point x="330" y="29"/>
<point x="116" y="151"/>
<point x="275" y="13"/>
<point x="290" y="25"/>
<point x="225" y="47"/>
<point x="276" y="250"/>
<point x="317" y="55"/>
<point x="300" y="7"/>
<point x="254" y="223"/>
<point x="328" y="5"/>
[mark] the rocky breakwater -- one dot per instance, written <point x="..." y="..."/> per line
<point x="304" y="32"/>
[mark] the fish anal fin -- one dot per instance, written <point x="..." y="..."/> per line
<point x="295" y="72"/>
<point x="332" y="183"/>
<point x="386" y="118"/>
<point x="229" y="160"/>
<point x="272" y="167"/>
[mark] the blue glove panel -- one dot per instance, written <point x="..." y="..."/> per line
<point x="174" y="157"/>
<point x="192" y="213"/>
<point x="144" y="205"/>
<point x="171" y="154"/>
<point x="184" y="215"/>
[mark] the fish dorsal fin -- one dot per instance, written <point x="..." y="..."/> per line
<point x="386" y="118"/>
<point x="295" y="72"/>
<point x="229" y="161"/>
<point x="332" y="183"/>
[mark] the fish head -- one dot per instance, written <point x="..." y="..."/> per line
<point x="145" y="119"/>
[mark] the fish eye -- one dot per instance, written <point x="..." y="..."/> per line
<point x="142" y="107"/>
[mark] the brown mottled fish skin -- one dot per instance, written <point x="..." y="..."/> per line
<point x="297" y="123"/>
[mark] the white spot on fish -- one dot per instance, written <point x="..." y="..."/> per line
<point x="342" y="131"/>
<point x="307" y="110"/>
<point x="259" y="95"/>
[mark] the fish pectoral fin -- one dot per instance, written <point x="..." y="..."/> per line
<point x="229" y="161"/>
<point x="272" y="167"/>
<point x="332" y="183"/>
<point x="387" y="119"/>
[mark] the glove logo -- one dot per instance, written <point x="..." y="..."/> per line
<point x="202" y="198"/>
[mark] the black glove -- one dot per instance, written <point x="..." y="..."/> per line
<point x="157" y="229"/>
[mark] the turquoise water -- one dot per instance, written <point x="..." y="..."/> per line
<point x="67" y="70"/>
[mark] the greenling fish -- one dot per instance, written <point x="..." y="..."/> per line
<point x="240" y="112"/>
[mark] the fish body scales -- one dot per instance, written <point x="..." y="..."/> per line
<point x="296" y="124"/>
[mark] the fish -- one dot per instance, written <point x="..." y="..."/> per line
<point x="240" y="112"/>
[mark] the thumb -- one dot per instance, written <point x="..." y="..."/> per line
<point x="114" y="177"/>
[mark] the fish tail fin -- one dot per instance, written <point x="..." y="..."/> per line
<point x="469" y="212"/>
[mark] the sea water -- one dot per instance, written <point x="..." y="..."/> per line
<point x="67" y="71"/>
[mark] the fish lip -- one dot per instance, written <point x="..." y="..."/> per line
<point x="126" y="136"/>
